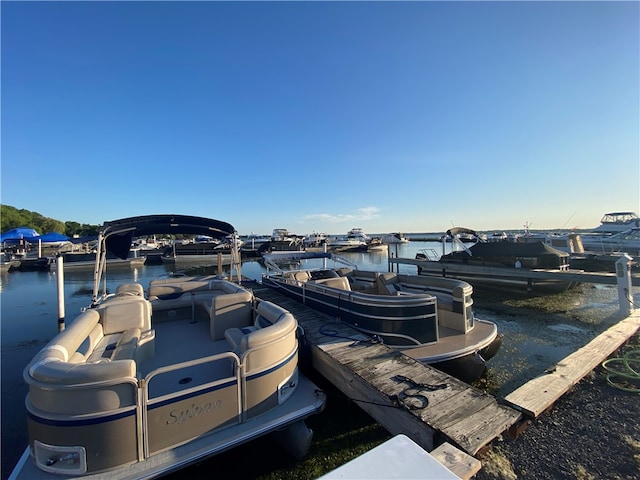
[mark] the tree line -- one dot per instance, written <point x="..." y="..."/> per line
<point x="11" y="217"/>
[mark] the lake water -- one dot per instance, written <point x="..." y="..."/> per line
<point x="538" y="331"/>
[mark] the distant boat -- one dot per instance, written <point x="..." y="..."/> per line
<point x="616" y="222"/>
<point x="395" y="237"/>
<point x="627" y="241"/>
<point x="282" y="241"/>
<point x="87" y="260"/>
<point x="200" y="253"/>
<point x="315" y="239"/>
<point x="355" y="240"/>
<point x="503" y="254"/>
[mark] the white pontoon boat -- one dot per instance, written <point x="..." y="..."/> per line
<point x="141" y="385"/>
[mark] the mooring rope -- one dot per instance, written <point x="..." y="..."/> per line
<point x="415" y="391"/>
<point x="330" y="331"/>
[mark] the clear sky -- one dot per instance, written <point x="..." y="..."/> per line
<point x="323" y="116"/>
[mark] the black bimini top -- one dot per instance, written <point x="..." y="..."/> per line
<point x="118" y="234"/>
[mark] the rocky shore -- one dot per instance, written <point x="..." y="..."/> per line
<point x="592" y="432"/>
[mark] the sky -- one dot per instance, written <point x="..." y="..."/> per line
<point x="323" y="116"/>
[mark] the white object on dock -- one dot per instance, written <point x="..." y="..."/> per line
<point x="399" y="457"/>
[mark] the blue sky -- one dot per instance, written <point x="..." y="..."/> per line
<point x="323" y="116"/>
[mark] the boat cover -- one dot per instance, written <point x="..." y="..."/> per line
<point x="119" y="234"/>
<point x="51" y="237"/>
<point x="17" y="234"/>
<point x="514" y="248"/>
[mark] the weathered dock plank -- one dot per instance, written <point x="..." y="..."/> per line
<point x="400" y="393"/>
<point x="537" y="395"/>
<point x="463" y="465"/>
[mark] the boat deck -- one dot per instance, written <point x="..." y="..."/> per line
<point x="396" y="389"/>
<point x="184" y="340"/>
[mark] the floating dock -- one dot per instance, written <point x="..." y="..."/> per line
<point x="454" y="270"/>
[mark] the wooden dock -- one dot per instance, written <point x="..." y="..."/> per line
<point x="454" y="269"/>
<point x="539" y="394"/>
<point x="401" y="394"/>
<point x="430" y="407"/>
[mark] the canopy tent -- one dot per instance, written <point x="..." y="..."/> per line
<point x="16" y="234"/>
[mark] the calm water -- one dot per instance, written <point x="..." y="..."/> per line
<point x="537" y="331"/>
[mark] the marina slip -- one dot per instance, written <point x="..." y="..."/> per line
<point x="406" y="396"/>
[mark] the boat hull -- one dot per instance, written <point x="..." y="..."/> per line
<point x="304" y="402"/>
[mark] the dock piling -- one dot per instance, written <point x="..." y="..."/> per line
<point x="623" y="275"/>
<point x="60" y="272"/>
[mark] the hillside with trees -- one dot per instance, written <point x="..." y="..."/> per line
<point x="11" y="217"/>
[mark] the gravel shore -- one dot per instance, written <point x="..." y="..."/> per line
<point x="592" y="432"/>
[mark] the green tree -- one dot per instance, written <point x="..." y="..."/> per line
<point x="11" y="217"/>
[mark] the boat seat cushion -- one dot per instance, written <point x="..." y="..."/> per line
<point x="234" y="336"/>
<point x="127" y="344"/>
<point x="264" y="345"/>
<point x="341" y="283"/>
<point x="388" y="284"/>
<point x="175" y="287"/>
<point x="62" y="361"/>
<point x="130" y="289"/>
<point x="230" y="310"/>
<point x="66" y="373"/>
<point x="120" y="313"/>
<point x="64" y="345"/>
<point x="298" y="276"/>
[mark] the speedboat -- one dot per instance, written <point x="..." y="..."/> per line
<point x="141" y="384"/>
<point x="428" y="318"/>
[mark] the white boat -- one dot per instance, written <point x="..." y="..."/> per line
<point x="616" y="222"/>
<point x="429" y="318"/>
<point x="627" y="241"/>
<point x="355" y="240"/>
<point x="315" y="239"/>
<point x="395" y="237"/>
<point x="138" y="385"/>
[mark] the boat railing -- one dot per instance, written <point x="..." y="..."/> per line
<point x="217" y="372"/>
<point x="429" y="254"/>
<point x="271" y="260"/>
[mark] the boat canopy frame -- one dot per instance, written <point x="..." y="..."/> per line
<point x="116" y="237"/>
